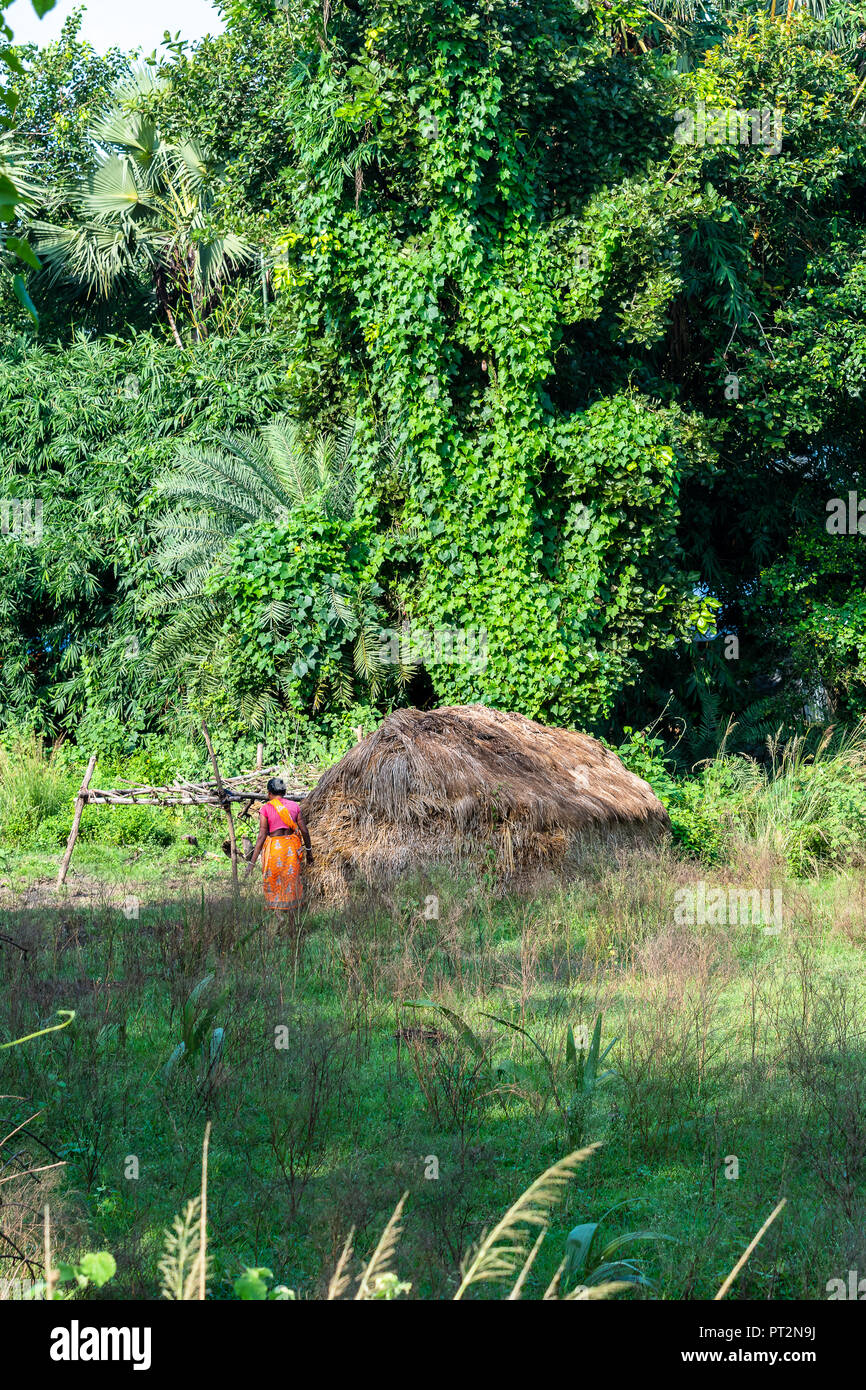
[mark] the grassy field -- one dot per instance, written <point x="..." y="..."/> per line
<point x="737" y="1070"/>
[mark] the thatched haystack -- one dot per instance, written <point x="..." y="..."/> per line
<point x="468" y="785"/>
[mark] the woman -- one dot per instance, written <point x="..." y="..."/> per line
<point x="281" y="825"/>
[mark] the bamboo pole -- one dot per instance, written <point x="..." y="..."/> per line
<point x="228" y="810"/>
<point x="76" y="821"/>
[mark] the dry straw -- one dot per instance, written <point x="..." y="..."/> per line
<point x="468" y="785"/>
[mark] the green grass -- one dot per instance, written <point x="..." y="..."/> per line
<point x="732" y="1044"/>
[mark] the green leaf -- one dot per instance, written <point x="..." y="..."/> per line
<point x="23" y="251"/>
<point x="251" y="1285"/>
<point x="98" y="1267"/>
<point x="23" y="297"/>
<point x="620" y="1269"/>
<point x="619" y="1241"/>
<point x="578" y="1244"/>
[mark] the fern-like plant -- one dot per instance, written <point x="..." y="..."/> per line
<point x="212" y="491"/>
<point x="181" y="1265"/>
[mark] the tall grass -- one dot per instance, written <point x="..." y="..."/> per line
<point x="809" y="804"/>
<point x="802" y="806"/>
<point x="33" y="787"/>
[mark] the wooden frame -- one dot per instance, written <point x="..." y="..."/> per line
<point x="248" y="788"/>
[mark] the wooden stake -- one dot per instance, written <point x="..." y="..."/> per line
<point x="228" y="810"/>
<point x="76" y="821"/>
<point x="260" y="757"/>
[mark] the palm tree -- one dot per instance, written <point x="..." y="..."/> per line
<point x="217" y="488"/>
<point x="144" y="212"/>
<point x="20" y="191"/>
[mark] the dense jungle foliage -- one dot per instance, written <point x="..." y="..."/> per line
<point x="390" y="315"/>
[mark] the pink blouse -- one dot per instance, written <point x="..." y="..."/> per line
<point x="275" y="821"/>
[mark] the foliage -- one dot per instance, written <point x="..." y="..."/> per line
<point x="87" y="429"/>
<point x="92" y="1270"/>
<point x="300" y="591"/>
<point x="60" y="91"/>
<point x="143" y="212"/>
<point x="33" y="787"/>
<point x="802" y="806"/>
<point x="250" y="516"/>
<point x="591" y="1269"/>
<point x="15" y="195"/>
<point x="619" y="375"/>
<point x="252" y="1286"/>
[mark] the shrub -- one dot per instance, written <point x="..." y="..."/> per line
<point x="131" y="825"/>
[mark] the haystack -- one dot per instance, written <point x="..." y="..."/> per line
<point x="468" y="785"/>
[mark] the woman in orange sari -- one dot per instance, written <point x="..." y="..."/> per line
<point x="281" y="827"/>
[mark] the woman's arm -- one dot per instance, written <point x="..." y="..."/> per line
<point x="302" y="826"/>
<point x="260" y="842"/>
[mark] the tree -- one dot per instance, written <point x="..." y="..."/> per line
<point x="14" y="194"/>
<point x="61" y="89"/>
<point x="86" y="429"/>
<point x="232" y="497"/>
<point x="624" y="371"/>
<point x="144" y="211"/>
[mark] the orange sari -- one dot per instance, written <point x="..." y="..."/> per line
<point x="281" y="864"/>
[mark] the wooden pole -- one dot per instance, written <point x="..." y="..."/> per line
<point x="260" y="762"/>
<point x="228" y="810"/>
<point x="76" y="821"/>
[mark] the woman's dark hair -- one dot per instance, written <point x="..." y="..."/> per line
<point x="276" y="787"/>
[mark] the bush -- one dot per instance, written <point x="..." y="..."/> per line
<point x="804" y="807"/>
<point x="131" y="825"/>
